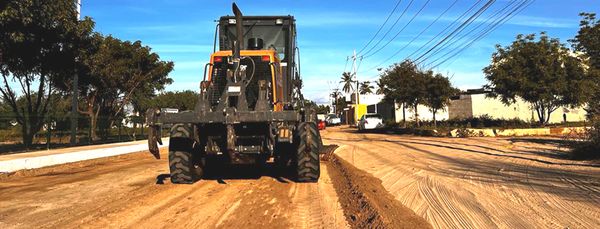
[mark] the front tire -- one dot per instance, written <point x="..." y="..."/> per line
<point x="185" y="166"/>
<point x="307" y="161"/>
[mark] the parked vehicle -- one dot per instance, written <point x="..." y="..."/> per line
<point x="321" y="117"/>
<point x="333" y="120"/>
<point x="321" y="125"/>
<point x="370" y="121"/>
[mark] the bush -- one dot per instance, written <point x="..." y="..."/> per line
<point x="589" y="149"/>
<point x="484" y="121"/>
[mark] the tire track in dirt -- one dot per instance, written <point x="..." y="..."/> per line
<point x="124" y="192"/>
<point x="480" y="180"/>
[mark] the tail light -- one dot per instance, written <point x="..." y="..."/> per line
<point x="266" y="58"/>
<point x="217" y="59"/>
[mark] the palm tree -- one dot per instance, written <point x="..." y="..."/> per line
<point x="347" y="81"/>
<point x="380" y="87"/>
<point x="335" y="94"/>
<point x="366" y="88"/>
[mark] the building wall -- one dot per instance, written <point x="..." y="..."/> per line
<point x="424" y="114"/>
<point x="461" y="108"/>
<point x="476" y="105"/>
<point x="386" y="110"/>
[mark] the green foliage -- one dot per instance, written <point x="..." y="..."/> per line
<point x="380" y="87"/>
<point x="182" y="100"/>
<point x="439" y="90"/>
<point x="542" y="72"/>
<point x="405" y="84"/>
<point x="37" y="46"/>
<point x="347" y="81"/>
<point x="587" y="42"/>
<point x="366" y="88"/>
<point x="118" y="73"/>
<point x="322" y="109"/>
<point x="43" y="45"/>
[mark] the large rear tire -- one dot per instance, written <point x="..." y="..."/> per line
<point x="185" y="164"/>
<point x="308" y="167"/>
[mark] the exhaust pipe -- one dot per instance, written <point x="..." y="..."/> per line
<point x="239" y="32"/>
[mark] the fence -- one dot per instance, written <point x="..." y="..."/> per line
<point x="56" y="132"/>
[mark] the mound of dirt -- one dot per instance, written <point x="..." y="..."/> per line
<point x="365" y="201"/>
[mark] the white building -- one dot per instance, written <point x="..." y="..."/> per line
<point x="477" y="104"/>
<point x="472" y="104"/>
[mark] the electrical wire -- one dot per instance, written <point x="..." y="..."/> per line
<point x="401" y="30"/>
<point x="517" y="10"/>
<point x="345" y="65"/>
<point x="495" y="17"/>
<point x="455" y="22"/>
<point x="390" y="29"/>
<point x="460" y="28"/>
<point x="416" y="37"/>
<point x="381" y="27"/>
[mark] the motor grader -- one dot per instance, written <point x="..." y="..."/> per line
<point x="250" y="108"/>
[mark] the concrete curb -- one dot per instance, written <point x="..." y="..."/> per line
<point x="474" y="132"/>
<point x="13" y="165"/>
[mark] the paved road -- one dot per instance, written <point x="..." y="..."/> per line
<point x="479" y="182"/>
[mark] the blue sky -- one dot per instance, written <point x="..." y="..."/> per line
<point x="182" y="31"/>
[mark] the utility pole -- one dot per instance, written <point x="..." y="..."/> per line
<point x="354" y="73"/>
<point x="74" y="105"/>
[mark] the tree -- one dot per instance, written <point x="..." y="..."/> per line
<point x="587" y="42"/>
<point x="543" y="73"/>
<point x="37" y="46"/>
<point x="366" y="88"/>
<point x="405" y="84"/>
<point x="439" y="91"/>
<point x="347" y="81"/>
<point x="335" y="95"/>
<point x="114" y="73"/>
<point x="182" y="100"/>
<point x="380" y="87"/>
<point x="322" y="109"/>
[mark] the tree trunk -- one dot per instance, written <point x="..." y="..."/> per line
<point x="93" y="124"/>
<point x="404" y="114"/>
<point x="540" y="113"/>
<point x="417" y="115"/>
<point x="434" y="121"/>
<point x="134" y="131"/>
<point x="27" y="135"/>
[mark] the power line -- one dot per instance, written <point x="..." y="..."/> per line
<point x="398" y="33"/>
<point x="445" y="29"/>
<point x="495" y="16"/>
<point x="346" y="65"/>
<point x="381" y="27"/>
<point x="416" y="37"/>
<point x="390" y="29"/>
<point x="460" y="28"/>
<point x="517" y="10"/>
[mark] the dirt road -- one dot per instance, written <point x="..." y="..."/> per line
<point x="126" y="191"/>
<point x="479" y="182"/>
<point x="451" y="183"/>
